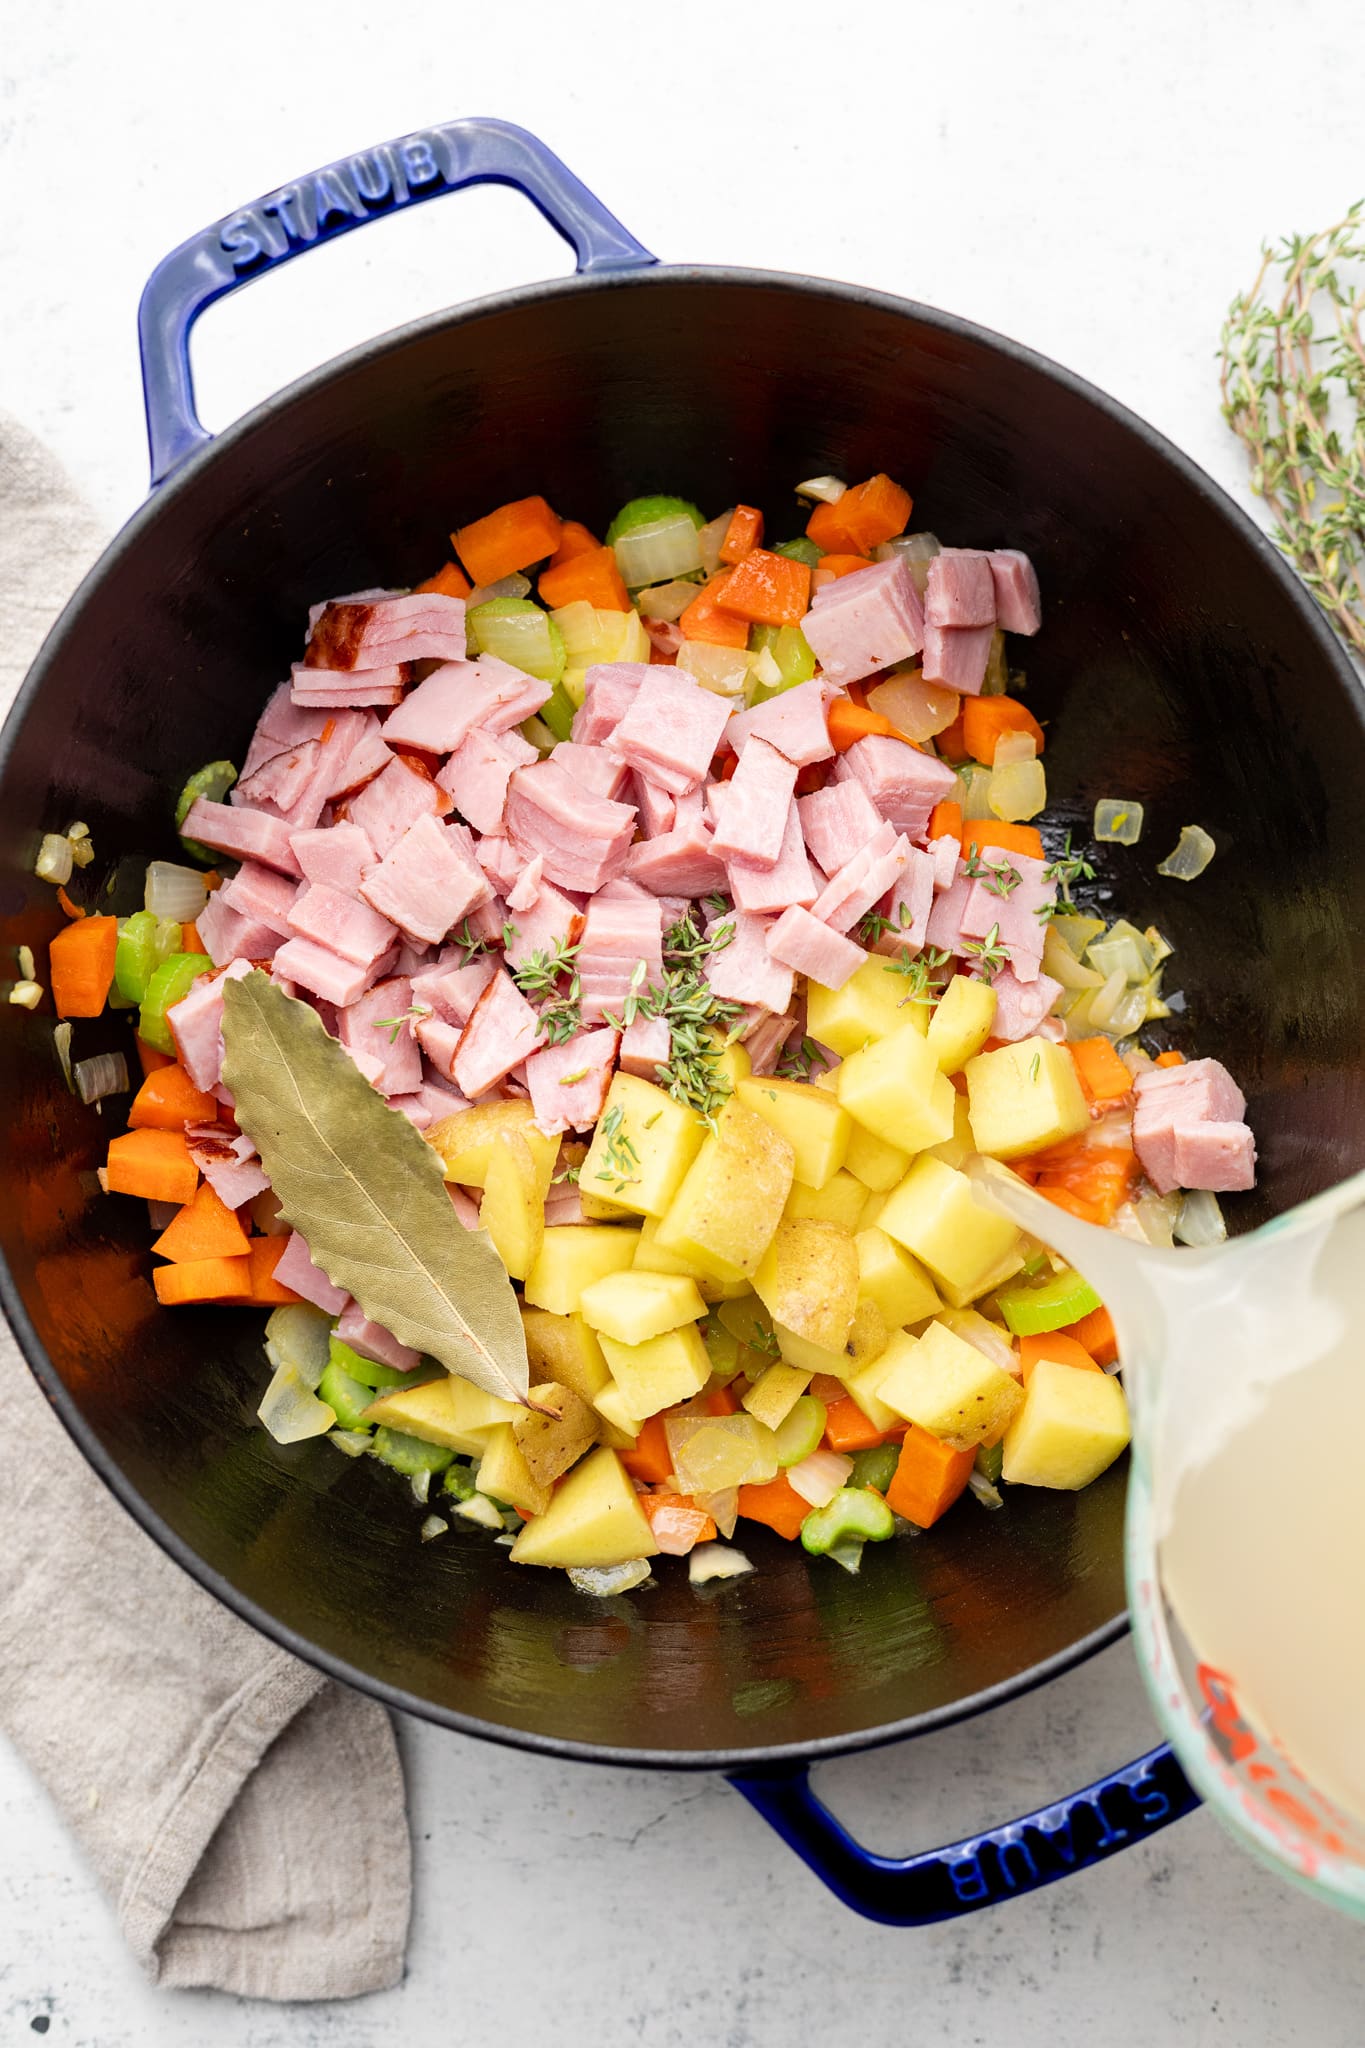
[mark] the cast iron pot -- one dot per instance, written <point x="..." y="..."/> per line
<point x="1180" y="664"/>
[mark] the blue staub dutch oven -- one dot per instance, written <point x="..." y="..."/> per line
<point x="1180" y="664"/>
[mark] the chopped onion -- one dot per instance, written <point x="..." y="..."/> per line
<point x="916" y="708"/>
<point x="1122" y="946"/>
<point x="420" y="1482"/>
<point x="1158" y="1216"/>
<point x="710" y="1453"/>
<point x="723" y="1508"/>
<point x="434" y="1525"/>
<point x="973" y="790"/>
<point x="988" y="1338"/>
<point x="605" y="1580"/>
<point x="1194" y="850"/>
<point x="996" y="680"/>
<point x="1061" y="963"/>
<point x="711" y="539"/>
<point x="1118" y="821"/>
<point x="537" y="733"/>
<point x="822" y="490"/>
<point x="291" y="1411"/>
<point x="716" y="1561"/>
<point x="61" y="1038"/>
<point x="1018" y="788"/>
<point x="722" y="670"/>
<point x="763" y="669"/>
<point x="54" y="859"/>
<point x="1159" y="947"/>
<point x="918" y="549"/>
<point x="848" y="1552"/>
<point x="660" y="551"/>
<point x="1014" y="746"/>
<point x="105" y="1074"/>
<point x="989" y="1496"/>
<point x="666" y="600"/>
<point x="26" y="995"/>
<point x="1201" y="1219"/>
<point x="299" y="1335"/>
<point x="353" y="1442"/>
<point x="480" y="1510"/>
<point x="81" y="844"/>
<point x="515" y="585"/>
<point x="1117" y="1008"/>
<point x="175" y="892"/>
<point x="27" y="970"/>
<point x="819" y="1477"/>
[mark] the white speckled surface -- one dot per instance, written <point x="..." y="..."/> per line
<point x="1092" y="180"/>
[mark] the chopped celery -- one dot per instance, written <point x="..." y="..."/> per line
<point x="722" y="1348"/>
<point x="800" y="1431"/>
<point x="853" y="1515"/>
<point x="592" y="635"/>
<point x="876" y="1467"/>
<point x="347" y="1396"/>
<point x="213" y="781"/>
<point x="557" y="712"/>
<point x="800" y="550"/>
<point x="518" y="631"/>
<point x="792" y="653"/>
<point x="368" y="1371"/>
<point x="459" y="1480"/>
<point x="1059" y="1302"/>
<point x="167" y="985"/>
<point x="648" y="511"/>
<point x="135" y="956"/>
<point x="409" y="1454"/>
<point x="989" y="1459"/>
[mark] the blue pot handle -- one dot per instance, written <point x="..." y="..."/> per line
<point x="330" y="202"/>
<point x="1021" y="1856"/>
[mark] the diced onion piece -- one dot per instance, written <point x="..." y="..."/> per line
<point x="822" y="490"/>
<point x="1118" y="821"/>
<point x="1124" y="947"/>
<point x="174" y="892"/>
<point x="81" y="844"/>
<point x="105" y="1074"/>
<point x="299" y="1335"/>
<point x="916" y="708"/>
<point x="1018" y="788"/>
<point x="1061" y="963"/>
<point x="1117" y="1008"/>
<point x="1201" y="1219"/>
<point x="605" y="1580"/>
<point x="989" y="1496"/>
<point x="61" y="1039"/>
<point x="515" y="585"/>
<point x="480" y="1510"/>
<point x="1158" y="1216"/>
<point x="722" y="670"/>
<point x="352" y="1442"/>
<point x="973" y="789"/>
<point x="291" y="1411"/>
<point x="1159" y="947"/>
<point x="666" y="600"/>
<point x="26" y="995"/>
<point x="711" y="539"/>
<point x="996" y="680"/>
<point x="27" y="970"/>
<point x="1015" y="746"/>
<point x="918" y="549"/>
<point x="764" y="669"/>
<point x="716" y="1561"/>
<point x="723" y="1508"/>
<point x="434" y="1525"/>
<point x="660" y="551"/>
<point x="54" y="859"/>
<point x="538" y="734"/>
<point x="420" y="1482"/>
<point x="592" y="635"/>
<point x="986" y="1337"/>
<point x="713" y="1452"/>
<point x="848" y="1552"/>
<point x="1194" y="850"/>
<point x="819" y="1477"/>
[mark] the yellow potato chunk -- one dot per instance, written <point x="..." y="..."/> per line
<point x="593" y="1518"/>
<point x="513" y="1207"/>
<point x="958" y="1149"/>
<point x="894" y="1089"/>
<point x="659" y="1373"/>
<point x="839" y="1201"/>
<point x="947" y="1386"/>
<point x="643" y="1145"/>
<point x="896" y="1282"/>
<point x="612" y="1406"/>
<point x="1024" y="1098"/>
<point x="867" y="1007"/>
<point x="450" y="1411"/>
<point x="866" y="1340"/>
<point x="810" y="1118"/>
<point x="572" y="1256"/>
<point x="565" y="1350"/>
<point x="808" y="1281"/>
<point x="1071" y="1427"/>
<point x="986" y="1283"/>
<point x="934" y="1214"/>
<point x="732" y="1197"/>
<point x="774" y="1394"/>
<point x="961" y="1022"/>
<point x="873" y="1162"/>
<point x="465" y="1141"/>
<point x="504" y="1473"/>
<point x="864" y="1387"/>
<point x="632" y="1307"/>
<point x="554" y="1434"/>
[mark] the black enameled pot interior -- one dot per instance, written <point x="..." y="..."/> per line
<point x="1178" y="665"/>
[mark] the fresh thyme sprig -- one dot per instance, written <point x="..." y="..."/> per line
<point x="872" y="924"/>
<point x="999" y="877"/>
<point x="393" y="1025"/>
<point x="621" y="1154"/>
<point x="798" y="1061"/>
<point x="540" y="976"/>
<point x="1068" y="867"/>
<point x="472" y="947"/>
<point x="991" y="951"/>
<point x="923" y="973"/>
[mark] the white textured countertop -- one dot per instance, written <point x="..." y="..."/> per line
<point x="1093" y="180"/>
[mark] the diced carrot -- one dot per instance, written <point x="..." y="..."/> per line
<point x="69" y="909"/>
<point x="81" y="966"/>
<point x="1074" y="1205"/>
<point x="744" y="533"/>
<point x="1063" y="1350"/>
<point x="153" y="1164"/>
<point x="984" y="832"/>
<point x="778" y="1504"/>
<point x="826" y="1388"/>
<point x="728" y="767"/>
<point x="830" y="568"/>
<point x="204" y="1229"/>
<point x="767" y="589"/>
<point x="190" y="941"/>
<point x="1089" y="1181"/>
<point x="863" y="518"/>
<point x="168" y="1100"/>
<point x="449" y="580"/>
<point x="574" y="539"/>
<point x="591" y="577"/>
<point x="149" y="1059"/>
<point x="986" y="720"/>
<point x="848" y="722"/>
<point x="1102" y="1073"/>
<point x="848" y="1429"/>
<point x="509" y="539"/>
<point x="203" y="1280"/>
<point x="705" y="620"/>
<point x="677" y="1522"/>
<point x="945" y="821"/>
<point x="721" y="1401"/>
<point x="266" y="1290"/>
<point x="950" y="743"/>
<point x="650" y="1458"/>
<point x="929" y="1477"/>
<point x="1169" y="1059"/>
<point x="1096" y="1333"/>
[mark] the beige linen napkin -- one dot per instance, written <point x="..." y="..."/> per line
<point x="244" y="1814"/>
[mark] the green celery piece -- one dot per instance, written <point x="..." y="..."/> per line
<point x="647" y="511"/>
<point x="167" y="985"/>
<point x="558" y="709"/>
<point x="1059" y="1302"/>
<point x="802" y="549"/>
<point x="481" y="626"/>
<point x="722" y="1348"/>
<point x="876" y="1467"/>
<point x="989" y="1460"/>
<point x="348" y="1398"/>
<point x="135" y="956"/>
<point x="459" y="1480"/>
<point x="792" y="652"/>
<point x="368" y="1371"/>
<point x="800" y="1431"/>
<point x="852" y="1514"/>
<point x="213" y="781"/>
<point x="409" y="1454"/>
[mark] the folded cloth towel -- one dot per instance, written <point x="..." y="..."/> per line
<point x="245" y="1815"/>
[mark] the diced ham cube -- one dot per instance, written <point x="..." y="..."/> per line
<point x="765" y="1039"/>
<point x="260" y="893"/>
<point x="228" y="1161"/>
<point x="960" y="590"/>
<point x="427" y="884"/>
<point x="569" y="1082"/>
<point x="595" y="768"/>
<point x="1176" y="1108"/>
<point x="526" y="889"/>
<point x="488" y="693"/>
<point x="609" y="689"/>
<point x="801" y="941"/>
<point x="622" y="939"/>
<point x="478" y="772"/>
<point x="657" y="807"/>
<point x="563" y="1204"/>
<point x="583" y="838"/>
<point x="245" y="834"/>
<point x="196" y="1025"/>
<point x="1218" y="1156"/>
<point x="646" y="1045"/>
<point x="294" y="1268"/>
<point x="1204" y="1089"/>
<point x="397" y="798"/>
<point x="451" y="992"/>
<point x="348" y="689"/>
<point x="378" y="1025"/>
<point x="341" y="923"/>
<point x="500" y="861"/>
<point x="869" y="876"/>
<point x="752" y="807"/>
<point x="677" y="863"/>
<point x="903" y="783"/>
<point x="865" y="622"/>
<point x="944" y="929"/>
<point x="228" y="935"/>
<point x="762" y="890"/>
<point x="836" y="821"/>
<point x="793" y="722"/>
<point x="553" y="920"/>
<point x="366" y="759"/>
<point x="429" y="1104"/>
<point x="335" y="855"/>
<point x="1016" y="912"/>
<point x="1021" y="1006"/>
<point x="372" y="1340"/>
<point x="282" y="782"/>
<point x="281" y="725"/>
<point x="908" y="906"/>
<point x="502" y="1031"/>
<point x="671" y="730"/>
<point x="944" y="852"/>
<point x="425" y="626"/>
<point x="318" y="968"/>
<point x="957" y="657"/>
<point x="1018" y="608"/>
<point x="744" y="971"/>
<point x="440" y="1041"/>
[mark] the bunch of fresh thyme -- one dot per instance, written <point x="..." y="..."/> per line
<point x="550" y="979"/>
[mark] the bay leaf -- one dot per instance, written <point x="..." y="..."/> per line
<point x="366" y="1190"/>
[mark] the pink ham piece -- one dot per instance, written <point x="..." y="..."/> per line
<point x="1219" y="1157"/>
<point x="196" y="1025"/>
<point x="908" y="906"/>
<point x="869" y="876"/>
<point x="945" y="853"/>
<point x="671" y="730"/>
<point x="281" y="725"/>
<point x="646" y="1044"/>
<point x="260" y="893"/>
<point x="396" y="799"/>
<point x="960" y="589"/>
<point x="944" y="929"/>
<point x="609" y="689"/>
<point x="865" y="622"/>
<point x="488" y="694"/>
<point x="793" y="722"/>
<point x="657" y="807"/>
<point x="501" y="862"/>
<point x="762" y="890"/>
<point x="427" y="884"/>
<point x="348" y="689"/>
<point x="522" y="896"/>
<point x="451" y="992"/>
<point x="372" y="1340"/>
<point x="295" y="1269"/>
<point x="553" y="920"/>
<point x="622" y="933"/>
<point x="677" y="863"/>
<point x="801" y="941"/>
<point x="583" y="838"/>
<point x="341" y="923"/>
<point x="1022" y="929"/>
<point x="325" y="973"/>
<point x="428" y="1104"/>
<point x="1018" y="607"/>
<point x="478" y="772"/>
<point x="378" y="1026"/>
<point x="282" y="782"/>
<point x="753" y="806"/>
<point x="366" y="758"/>
<point x="569" y="1082"/>
<point x="563" y="1204"/>
<point x="228" y="1161"/>
<point x="744" y="971"/>
<point x="764" y="1041"/>
<point x="502" y="1031"/>
<point x="903" y="783"/>
<point x="1021" y="1006"/>
<point x="245" y="834"/>
<point x="337" y="856"/>
<point x="836" y="821"/>
<point x="596" y="769"/>
<point x="427" y="626"/>
<point x="957" y="656"/>
<point x="227" y="935"/>
<point x="440" y="1041"/>
<point x="1188" y="1130"/>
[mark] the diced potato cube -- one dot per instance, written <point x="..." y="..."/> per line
<point x="839" y="1201"/>
<point x="947" y="1386"/>
<point x="895" y="1089"/>
<point x="961" y="1023"/>
<point x="808" y="1281"/>
<point x="565" y="1350"/>
<point x="659" y="1373"/>
<point x="732" y="1197"/>
<point x="598" y="1209"/>
<point x="632" y="1307"/>
<point x="465" y="1141"/>
<point x="572" y="1256"/>
<point x="987" y="1282"/>
<point x="864" y="1386"/>
<point x="643" y="1145"/>
<point x="612" y="1406"/>
<point x="1071" y="1427"/>
<point x="872" y="1209"/>
<point x="650" y="1256"/>
<point x="513" y="1207"/>
<point x="554" y="1434"/>
<point x="896" y="1282"/>
<point x="870" y="1005"/>
<point x="504" y="1473"/>
<point x="594" y="1518"/>
<point x="1025" y="1097"/>
<point x="813" y="1120"/>
<point x="867" y="1339"/>
<point x="934" y="1214"/>
<point x="732" y="1062"/>
<point x="450" y="1411"/>
<point x="958" y="1149"/>
<point x="774" y="1394"/>
<point x="872" y="1161"/>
